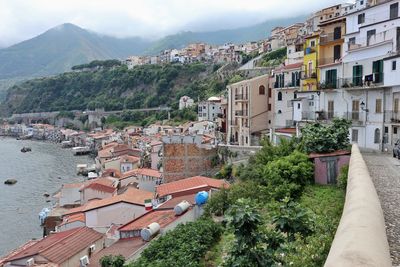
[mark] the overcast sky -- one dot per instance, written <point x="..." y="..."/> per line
<point x="24" y="19"/>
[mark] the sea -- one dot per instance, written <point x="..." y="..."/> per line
<point x="43" y="170"/>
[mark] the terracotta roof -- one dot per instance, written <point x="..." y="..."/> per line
<point x="124" y="247"/>
<point x="188" y="184"/>
<point x="286" y="130"/>
<point x="131" y="159"/>
<point x="100" y="187"/>
<point x="162" y="217"/>
<point x="170" y="204"/>
<point x="78" y="217"/>
<point x="330" y="154"/>
<point x="16" y="251"/>
<point x="59" y="247"/>
<point x="131" y="195"/>
<point x="293" y="66"/>
<point x="149" y="172"/>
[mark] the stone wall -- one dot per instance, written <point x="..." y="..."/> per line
<point x="360" y="239"/>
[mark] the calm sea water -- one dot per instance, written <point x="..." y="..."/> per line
<point x="43" y="170"/>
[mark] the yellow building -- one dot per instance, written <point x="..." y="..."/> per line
<point x="331" y="52"/>
<point x="310" y="72"/>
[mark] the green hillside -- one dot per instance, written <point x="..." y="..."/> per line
<point x="113" y="88"/>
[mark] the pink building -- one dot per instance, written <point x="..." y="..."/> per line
<point x="327" y="166"/>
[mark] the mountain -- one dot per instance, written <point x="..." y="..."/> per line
<point x="62" y="47"/>
<point x="239" y="35"/>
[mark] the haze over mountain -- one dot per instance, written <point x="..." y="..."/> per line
<point x="64" y="46"/>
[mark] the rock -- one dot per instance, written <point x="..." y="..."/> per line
<point x="46" y="194"/>
<point x="10" y="181"/>
<point x="26" y="149"/>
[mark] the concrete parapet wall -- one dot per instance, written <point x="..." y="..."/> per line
<point x="360" y="239"/>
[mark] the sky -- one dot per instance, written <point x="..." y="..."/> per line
<point x="24" y="19"/>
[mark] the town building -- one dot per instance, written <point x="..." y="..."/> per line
<point x="185" y="102"/>
<point x="250" y="111"/>
<point x="210" y="109"/>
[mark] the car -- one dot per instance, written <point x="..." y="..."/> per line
<point x="396" y="149"/>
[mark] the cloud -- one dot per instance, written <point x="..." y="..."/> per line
<point x="24" y="19"/>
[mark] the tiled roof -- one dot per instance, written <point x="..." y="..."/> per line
<point x="131" y="159"/>
<point x="142" y="171"/>
<point x="286" y="130"/>
<point x="78" y="217"/>
<point x="170" y="204"/>
<point x="330" y="154"/>
<point x="162" y="217"/>
<point x="60" y="247"/>
<point x="188" y="184"/>
<point x="293" y="66"/>
<point x="16" y="251"/>
<point x="124" y="247"/>
<point x="131" y="195"/>
<point x="100" y="187"/>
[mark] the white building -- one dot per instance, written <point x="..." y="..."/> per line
<point x="185" y="102"/>
<point x="210" y="110"/>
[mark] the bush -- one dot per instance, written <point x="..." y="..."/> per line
<point x="342" y="178"/>
<point x="184" y="246"/>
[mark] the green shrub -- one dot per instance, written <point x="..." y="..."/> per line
<point x="184" y="246"/>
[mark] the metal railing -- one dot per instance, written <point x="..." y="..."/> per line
<point x="392" y="116"/>
<point x="356" y="117"/>
<point x="328" y="60"/>
<point x="241" y="97"/>
<point x="371" y="40"/>
<point x="329" y="37"/>
<point x="309" y="74"/>
<point x="371" y="80"/>
<point x="241" y="113"/>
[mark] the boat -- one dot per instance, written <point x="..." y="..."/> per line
<point x="80" y="150"/>
<point x="66" y="144"/>
<point x="26" y="149"/>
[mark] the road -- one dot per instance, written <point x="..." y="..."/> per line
<point x="385" y="173"/>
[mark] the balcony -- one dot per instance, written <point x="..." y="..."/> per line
<point x="371" y="41"/>
<point x="328" y="60"/>
<point x="330" y="37"/>
<point x="241" y="97"/>
<point x="309" y="74"/>
<point x="309" y="50"/>
<point x="326" y="85"/>
<point x="392" y="116"/>
<point x="366" y="81"/>
<point x="356" y="117"/>
<point x="241" y="113"/>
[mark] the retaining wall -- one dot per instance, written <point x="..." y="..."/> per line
<point x="360" y="239"/>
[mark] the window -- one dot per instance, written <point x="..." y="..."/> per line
<point x="352" y="40"/>
<point x="394" y="130"/>
<point x="269" y="107"/>
<point x="377" y="136"/>
<point x="378" y="106"/>
<point x="261" y="90"/>
<point x="370" y="34"/>
<point x="394" y="10"/>
<point x="336" y="52"/>
<point x="331" y="79"/>
<point x="280" y="96"/>
<point x="394" y="64"/>
<point x="312" y="43"/>
<point x="357" y="75"/>
<point x="298" y="106"/>
<point x="337" y="33"/>
<point x="354" y="135"/>
<point x="361" y="3"/>
<point x="361" y="18"/>
<point x="396" y="105"/>
<point x="377" y="70"/>
<point x="269" y="92"/>
<point x="331" y="108"/>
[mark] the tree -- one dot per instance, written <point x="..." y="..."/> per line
<point x="244" y="219"/>
<point x="112" y="261"/>
<point x="323" y="138"/>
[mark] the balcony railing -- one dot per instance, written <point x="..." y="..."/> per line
<point x="392" y="116"/>
<point x="372" y="40"/>
<point x="328" y="60"/>
<point x="241" y="97"/>
<point x="309" y="74"/>
<point x="371" y="80"/>
<point x="241" y="113"/>
<point x="325" y="85"/>
<point x="356" y="117"/>
<point x="309" y="50"/>
<point x="329" y="37"/>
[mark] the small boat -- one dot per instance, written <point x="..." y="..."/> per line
<point x="81" y="150"/>
<point x="26" y="149"/>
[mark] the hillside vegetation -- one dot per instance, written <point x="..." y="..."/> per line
<point x="114" y="88"/>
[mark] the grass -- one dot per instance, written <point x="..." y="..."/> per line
<point x="214" y="257"/>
